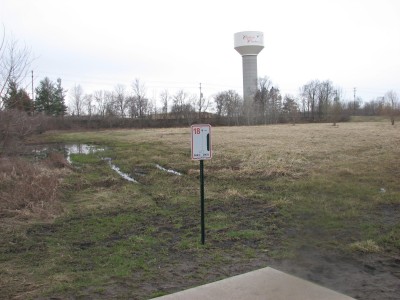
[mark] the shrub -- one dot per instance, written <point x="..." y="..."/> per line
<point x="15" y="126"/>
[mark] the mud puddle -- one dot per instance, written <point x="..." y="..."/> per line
<point x="69" y="149"/>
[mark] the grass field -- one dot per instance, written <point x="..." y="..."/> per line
<point x="275" y="195"/>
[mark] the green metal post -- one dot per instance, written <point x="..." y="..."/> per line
<point x="202" y="201"/>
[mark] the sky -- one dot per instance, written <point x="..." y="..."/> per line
<point x="178" y="44"/>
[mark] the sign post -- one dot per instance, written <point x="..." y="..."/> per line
<point x="202" y="222"/>
<point x="201" y="150"/>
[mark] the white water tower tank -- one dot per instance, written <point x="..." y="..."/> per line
<point x="249" y="44"/>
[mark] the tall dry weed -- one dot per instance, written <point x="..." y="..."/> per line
<point x="28" y="189"/>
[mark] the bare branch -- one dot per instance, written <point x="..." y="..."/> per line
<point x="14" y="63"/>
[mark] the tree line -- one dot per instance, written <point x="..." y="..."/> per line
<point x="317" y="101"/>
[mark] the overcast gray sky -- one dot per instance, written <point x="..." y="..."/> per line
<point x="176" y="44"/>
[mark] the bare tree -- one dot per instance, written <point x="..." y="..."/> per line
<point x="229" y="104"/>
<point x="275" y="105"/>
<point x="15" y="61"/>
<point x="235" y="106"/>
<point x="336" y="107"/>
<point x="100" y="100"/>
<point x="140" y="100"/>
<point x="325" y="96"/>
<point x="110" y="109"/>
<point x="189" y="109"/>
<point x="262" y="100"/>
<point x="164" y="100"/>
<point x="290" y="108"/>
<point x="219" y="100"/>
<point x="392" y="103"/>
<point x="120" y="99"/>
<point x="152" y="108"/>
<point x="77" y="100"/>
<point x="178" y="100"/>
<point x="182" y="105"/>
<point x="132" y="109"/>
<point x="88" y="101"/>
<point x="267" y="105"/>
<point x="202" y="104"/>
<point x="310" y="92"/>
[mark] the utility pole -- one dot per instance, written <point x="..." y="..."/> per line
<point x="200" y="91"/>
<point x="200" y="104"/>
<point x="33" y="96"/>
<point x="354" y="102"/>
<point x="335" y="108"/>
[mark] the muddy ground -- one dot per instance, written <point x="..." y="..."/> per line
<point x="367" y="276"/>
<point x="361" y="276"/>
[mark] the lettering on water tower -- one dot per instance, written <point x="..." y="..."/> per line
<point x="201" y="142"/>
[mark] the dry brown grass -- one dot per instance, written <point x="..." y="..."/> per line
<point x="368" y="246"/>
<point x="280" y="150"/>
<point x="30" y="190"/>
<point x="293" y="151"/>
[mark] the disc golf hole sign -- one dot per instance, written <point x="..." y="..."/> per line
<point x="201" y="142"/>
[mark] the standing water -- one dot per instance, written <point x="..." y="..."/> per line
<point x="88" y="149"/>
<point x="70" y="149"/>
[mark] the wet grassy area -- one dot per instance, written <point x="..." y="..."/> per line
<point x="318" y="201"/>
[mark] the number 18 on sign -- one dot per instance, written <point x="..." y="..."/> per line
<point x="201" y="150"/>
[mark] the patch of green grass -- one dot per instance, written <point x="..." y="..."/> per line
<point x="391" y="240"/>
<point x="158" y="294"/>
<point x="218" y="221"/>
<point x="85" y="158"/>
<point x="187" y="243"/>
<point x="248" y="234"/>
<point x="369" y="119"/>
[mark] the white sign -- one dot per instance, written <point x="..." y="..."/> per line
<point x="201" y="142"/>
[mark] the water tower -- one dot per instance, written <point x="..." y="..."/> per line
<point x="249" y="44"/>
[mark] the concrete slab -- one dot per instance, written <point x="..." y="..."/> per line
<point x="265" y="284"/>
